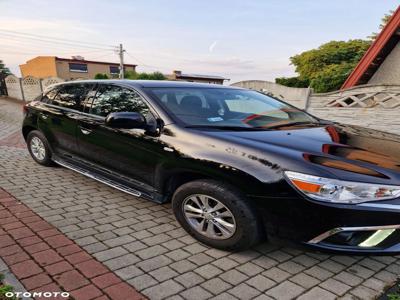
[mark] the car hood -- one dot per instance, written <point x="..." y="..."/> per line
<point x="345" y="150"/>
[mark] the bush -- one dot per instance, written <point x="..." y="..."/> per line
<point x="100" y="76"/>
<point x="293" y="81"/>
<point x="144" y="75"/>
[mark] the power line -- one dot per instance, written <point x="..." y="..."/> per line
<point x="52" y="38"/>
<point x="50" y="41"/>
<point x="37" y="48"/>
<point x="54" y="41"/>
<point x="154" y="68"/>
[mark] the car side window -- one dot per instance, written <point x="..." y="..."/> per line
<point x="111" y="98"/>
<point x="49" y="96"/>
<point x="70" y="96"/>
<point x="87" y="102"/>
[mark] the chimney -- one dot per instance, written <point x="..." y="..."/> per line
<point x="78" y="57"/>
<point x="177" y="73"/>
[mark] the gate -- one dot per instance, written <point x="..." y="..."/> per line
<point x="3" y="87"/>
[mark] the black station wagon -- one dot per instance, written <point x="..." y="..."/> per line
<point x="239" y="166"/>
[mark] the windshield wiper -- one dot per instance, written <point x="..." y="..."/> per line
<point x="227" y="127"/>
<point x="290" y="124"/>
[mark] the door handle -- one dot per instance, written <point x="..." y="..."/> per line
<point x="44" y="117"/>
<point x="85" y="131"/>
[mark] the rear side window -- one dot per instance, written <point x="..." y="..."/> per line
<point x="111" y="98"/>
<point x="49" y="96"/>
<point x="71" y="95"/>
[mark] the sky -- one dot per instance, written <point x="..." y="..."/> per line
<point x="240" y="40"/>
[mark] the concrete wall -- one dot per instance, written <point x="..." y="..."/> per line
<point x="296" y="96"/>
<point x="28" y="88"/>
<point x="14" y="87"/>
<point x="389" y="71"/>
<point x="372" y="106"/>
<point x="31" y="87"/>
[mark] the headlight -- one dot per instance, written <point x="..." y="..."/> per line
<point x="339" y="191"/>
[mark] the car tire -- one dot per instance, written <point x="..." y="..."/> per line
<point x="39" y="148"/>
<point x="234" y="226"/>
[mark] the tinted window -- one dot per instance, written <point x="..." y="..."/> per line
<point x="114" y="70"/>
<point x="87" y="104"/>
<point x="117" y="99"/>
<point x="71" y="95"/>
<point x="49" y="96"/>
<point x="227" y="107"/>
<point x="82" y="68"/>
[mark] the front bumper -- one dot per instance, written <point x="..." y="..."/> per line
<point x="368" y="228"/>
<point x="367" y="239"/>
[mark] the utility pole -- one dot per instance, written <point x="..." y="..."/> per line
<point x="121" y="61"/>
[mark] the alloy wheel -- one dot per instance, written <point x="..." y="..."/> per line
<point x="37" y="147"/>
<point x="209" y="217"/>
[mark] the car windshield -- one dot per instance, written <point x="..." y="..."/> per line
<point x="226" y="108"/>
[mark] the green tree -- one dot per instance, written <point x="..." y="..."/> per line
<point x="327" y="67"/>
<point x="130" y="75"/>
<point x="157" y="76"/>
<point x="3" y="69"/>
<point x="384" y="21"/>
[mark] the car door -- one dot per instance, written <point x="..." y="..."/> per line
<point x="60" y="110"/>
<point x="129" y="152"/>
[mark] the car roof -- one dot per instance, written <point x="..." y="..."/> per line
<point x="153" y="83"/>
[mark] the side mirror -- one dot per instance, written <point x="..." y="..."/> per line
<point x="126" y="120"/>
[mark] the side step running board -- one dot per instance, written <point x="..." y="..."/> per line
<point x="98" y="177"/>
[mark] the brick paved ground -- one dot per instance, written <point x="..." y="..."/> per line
<point x="45" y="260"/>
<point x="142" y="243"/>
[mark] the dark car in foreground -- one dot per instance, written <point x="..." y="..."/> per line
<point x="239" y="166"/>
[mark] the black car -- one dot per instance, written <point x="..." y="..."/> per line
<point x="239" y="166"/>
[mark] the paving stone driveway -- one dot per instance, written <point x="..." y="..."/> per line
<point x="143" y="244"/>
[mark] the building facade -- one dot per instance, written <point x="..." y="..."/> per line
<point x="70" y="68"/>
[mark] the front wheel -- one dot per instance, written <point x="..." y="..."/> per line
<point x="39" y="148"/>
<point x="216" y="215"/>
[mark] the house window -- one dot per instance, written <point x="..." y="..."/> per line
<point x="81" y="68"/>
<point x="114" y="70"/>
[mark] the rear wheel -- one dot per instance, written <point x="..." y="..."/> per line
<point x="38" y="148"/>
<point x="216" y="215"/>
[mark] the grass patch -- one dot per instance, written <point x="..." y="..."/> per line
<point x="392" y="293"/>
<point x="5" y="289"/>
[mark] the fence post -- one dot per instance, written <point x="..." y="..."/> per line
<point x="22" y="89"/>
<point x="308" y="99"/>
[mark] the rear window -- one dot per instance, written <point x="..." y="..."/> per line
<point x="71" y="95"/>
<point x="49" y="96"/>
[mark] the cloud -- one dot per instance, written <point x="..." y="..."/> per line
<point x="212" y="46"/>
